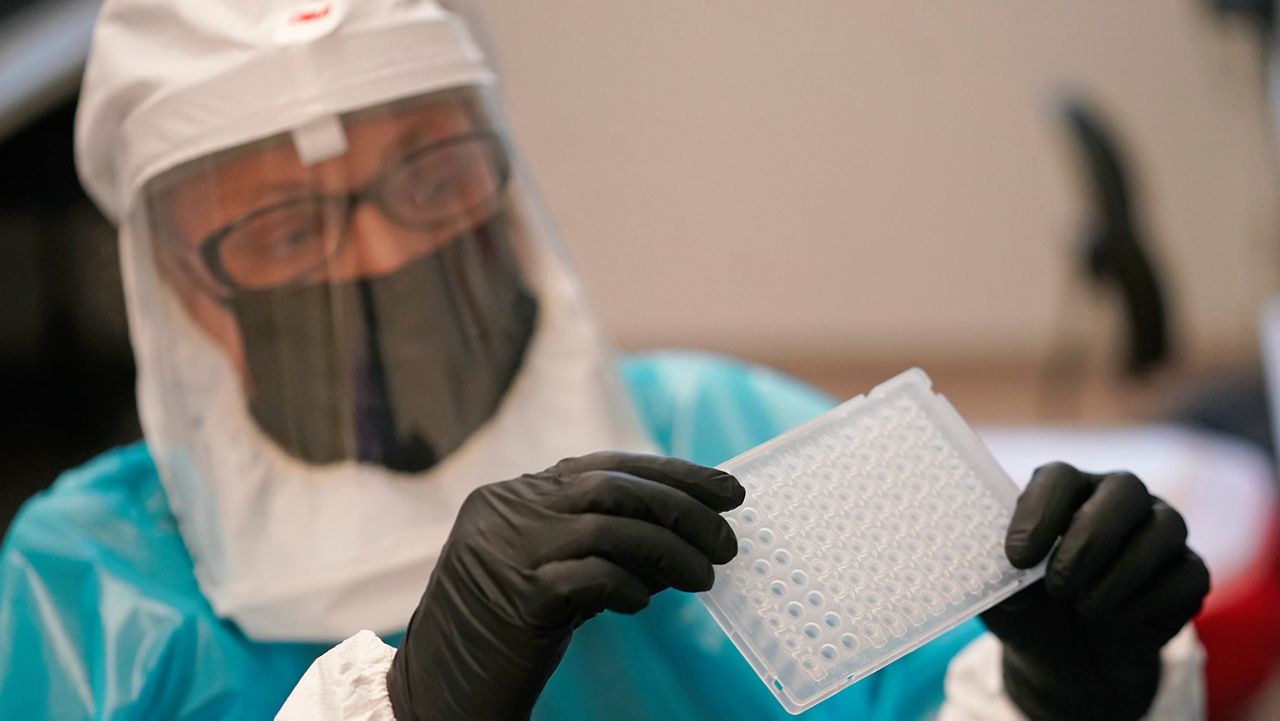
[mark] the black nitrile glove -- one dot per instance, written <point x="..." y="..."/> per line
<point x="1085" y="642"/>
<point x="531" y="559"/>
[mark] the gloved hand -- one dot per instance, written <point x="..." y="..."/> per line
<point x="530" y="559"/>
<point x="1085" y="642"/>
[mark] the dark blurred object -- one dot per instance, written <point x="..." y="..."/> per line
<point x="10" y="7"/>
<point x="1261" y="13"/>
<point x="43" y="46"/>
<point x="1114" y="253"/>
<point x="1233" y="405"/>
<point x="66" y="373"/>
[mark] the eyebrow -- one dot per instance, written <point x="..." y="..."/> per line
<point x="286" y="190"/>
<point x="276" y="193"/>
<point x="416" y="137"/>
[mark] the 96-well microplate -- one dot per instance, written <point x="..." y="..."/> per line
<point x="864" y="534"/>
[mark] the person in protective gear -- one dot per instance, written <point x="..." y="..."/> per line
<point x="351" y="324"/>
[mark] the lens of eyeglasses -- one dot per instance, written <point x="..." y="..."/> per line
<point x="280" y="243"/>
<point x="460" y="180"/>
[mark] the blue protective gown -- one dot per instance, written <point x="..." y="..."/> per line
<point x="101" y="616"/>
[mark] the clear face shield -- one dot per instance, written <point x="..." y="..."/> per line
<point x="335" y="348"/>
<point x="373" y="304"/>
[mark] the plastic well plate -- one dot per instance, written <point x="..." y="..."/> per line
<point x="865" y="534"/>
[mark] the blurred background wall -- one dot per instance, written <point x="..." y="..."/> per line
<point x="841" y="189"/>
<point x="828" y="185"/>
<point x="66" y="373"/>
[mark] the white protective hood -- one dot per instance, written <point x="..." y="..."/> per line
<point x="288" y="550"/>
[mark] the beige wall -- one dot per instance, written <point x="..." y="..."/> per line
<point x="880" y="179"/>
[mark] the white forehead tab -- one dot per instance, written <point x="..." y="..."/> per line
<point x="320" y="140"/>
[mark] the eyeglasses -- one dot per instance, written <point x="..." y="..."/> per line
<point x="436" y="187"/>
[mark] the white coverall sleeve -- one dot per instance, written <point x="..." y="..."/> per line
<point x="975" y="686"/>
<point x="347" y="683"/>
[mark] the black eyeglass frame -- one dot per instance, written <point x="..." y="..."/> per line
<point x="209" y="250"/>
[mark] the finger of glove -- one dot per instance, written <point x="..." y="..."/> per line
<point x="1098" y="534"/>
<point x="578" y="588"/>
<point x="1044" y="512"/>
<point x="1172" y="598"/>
<point x="655" y="555"/>
<point x="1161" y="539"/>
<point x="712" y="487"/>
<point x="622" y="494"/>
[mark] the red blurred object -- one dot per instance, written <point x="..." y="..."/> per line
<point x="1240" y="630"/>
